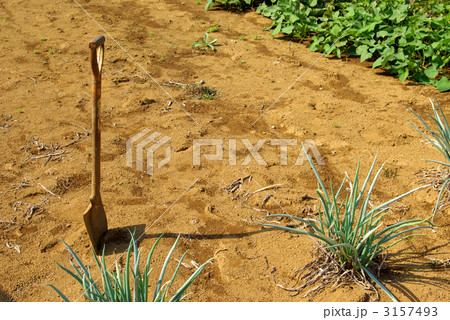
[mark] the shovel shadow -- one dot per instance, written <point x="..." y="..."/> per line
<point x="4" y="297"/>
<point x="117" y="240"/>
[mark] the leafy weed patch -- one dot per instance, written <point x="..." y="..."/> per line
<point x="410" y="39"/>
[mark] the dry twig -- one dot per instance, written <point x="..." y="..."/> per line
<point x="326" y="269"/>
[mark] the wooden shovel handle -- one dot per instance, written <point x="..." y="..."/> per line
<point x="96" y="54"/>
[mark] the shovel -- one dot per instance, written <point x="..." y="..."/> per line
<point x="94" y="216"/>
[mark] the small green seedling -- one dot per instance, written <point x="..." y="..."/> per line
<point x="390" y="173"/>
<point x="213" y="29"/>
<point x="202" y="21"/>
<point x="36" y="51"/>
<point x="150" y="33"/>
<point x="19" y="110"/>
<point x="242" y="38"/>
<point x="205" y="43"/>
<point x="43" y="39"/>
<point x="198" y="2"/>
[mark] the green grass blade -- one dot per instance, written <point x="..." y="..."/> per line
<point x="321" y="237"/>
<point x="178" y="295"/>
<point x="380" y="284"/>
<point x="319" y="180"/>
<point x="175" y="273"/>
<point x="439" y="199"/>
<point x="74" y="255"/>
<point x="76" y="277"/>
<point x="59" y="292"/>
<point x="163" y="269"/>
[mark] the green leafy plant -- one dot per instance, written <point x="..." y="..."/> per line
<point x="350" y="229"/>
<point x="440" y="139"/>
<point x="119" y="287"/>
<point x="410" y="39"/>
<point x="205" y="43"/>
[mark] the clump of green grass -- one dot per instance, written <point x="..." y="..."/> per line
<point x="390" y="172"/>
<point x="205" y="43"/>
<point x="349" y="228"/>
<point x="440" y="139"/>
<point x="119" y="287"/>
<point x="202" y="92"/>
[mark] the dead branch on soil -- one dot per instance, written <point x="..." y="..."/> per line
<point x="6" y="125"/>
<point x="35" y="147"/>
<point x="31" y="210"/>
<point x="325" y="272"/>
<point x="436" y="178"/>
<point x="7" y="224"/>
<point x="172" y="83"/>
<point x="13" y="246"/>
<point x="237" y="184"/>
<point x="220" y="250"/>
<point x="85" y="131"/>
<point x="49" y="191"/>
<point x="22" y="185"/>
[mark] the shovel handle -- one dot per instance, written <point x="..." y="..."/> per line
<point x="96" y="53"/>
<point x="97" y="48"/>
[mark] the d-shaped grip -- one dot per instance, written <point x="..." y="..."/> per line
<point x="96" y="48"/>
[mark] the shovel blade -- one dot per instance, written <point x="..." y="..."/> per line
<point x="96" y="223"/>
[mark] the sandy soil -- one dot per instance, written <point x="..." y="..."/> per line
<point x="350" y="111"/>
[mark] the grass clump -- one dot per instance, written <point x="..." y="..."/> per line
<point x="440" y="139"/>
<point x="350" y="229"/>
<point x="202" y="92"/>
<point x="118" y="286"/>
